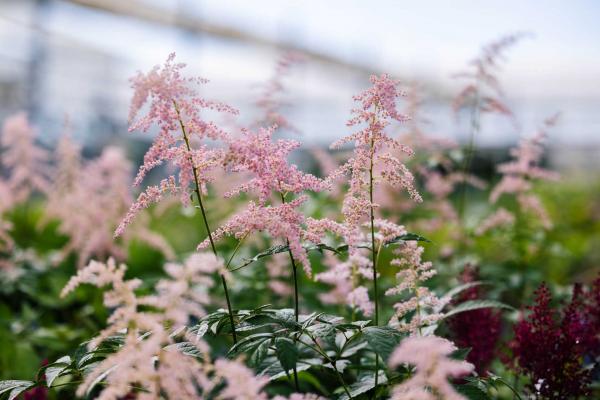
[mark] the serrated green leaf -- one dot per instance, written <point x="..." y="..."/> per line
<point x="460" y="288"/>
<point x="261" y="351"/>
<point x="475" y="305"/>
<point x="57" y="368"/>
<point x="382" y="340"/>
<point x="460" y="354"/>
<point x="200" y="330"/>
<point x="248" y="343"/>
<point x="280" y="248"/>
<point x="364" y="383"/>
<point x="472" y="392"/>
<point x="15" y="385"/>
<point x="286" y="352"/>
<point x="187" y="348"/>
<point x="100" y="378"/>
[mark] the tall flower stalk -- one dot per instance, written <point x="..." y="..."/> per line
<point x="482" y="94"/>
<point x="175" y="107"/>
<point x="371" y="164"/>
<point x="266" y="160"/>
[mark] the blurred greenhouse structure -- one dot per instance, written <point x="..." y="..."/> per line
<point x="70" y="59"/>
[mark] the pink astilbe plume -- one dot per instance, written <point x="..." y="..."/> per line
<point x="519" y="175"/>
<point x="345" y="278"/>
<point x="266" y="160"/>
<point x="174" y="107"/>
<point x="6" y="242"/>
<point x="67" y="173"/>
<point x="271" y="175"/>
<point x="430" y="356"/>
<point x="422" y="301"/>
<point x="92" y="201"/>
<point x="271" y="99"/>
<point x="148" y="363"/>
<point x="242" y="384"/>
<point x="25" y="161"/>
<point x="280" y="221"/>
<point x="482" y="91"/>
<point x="372" y="149"/>
<point x="279" y="275"/>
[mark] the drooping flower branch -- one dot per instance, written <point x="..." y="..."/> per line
<point x="175" y="107"/>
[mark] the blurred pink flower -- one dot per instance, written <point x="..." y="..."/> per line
<point x="26" y="162"/>
<point x="430" y="356"/>
<point x="519" y="175"/>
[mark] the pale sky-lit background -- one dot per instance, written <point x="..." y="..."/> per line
<point x="74" y="57"/>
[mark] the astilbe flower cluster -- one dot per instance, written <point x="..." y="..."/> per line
<point x="518" y="176"/>
<point x="430" y="355"/>
<point x="478" y="329"/>
<point x="271" y="99"/>
<point x="372" y="163"/>
<point x="549" y="346"/>
<point x="25" y="161"/>
<point x="345" y="278"/>
<point x="174" y="374"/>
<point x="265" y="160"/>
<point x="421" y="301"/>
<point x="175" y="108"/>
<point x="90" y="199"/>
<point x="148" y="365"/>
<point x="482" y="92"/>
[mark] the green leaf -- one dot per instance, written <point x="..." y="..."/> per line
<point x="100" y="378"/>
<point x="280" y="248"/>
<point x="248" y="343"/>
<point x="382" y="340"/>
<point x="475" y="305"/>
<point x="287" y="353"/>
<point x="187" y="348"/>
<point x="57" y="368"/>
<point x="261" y="351"/>
<point x="460" y="288"/>
<point x="407" y="237"/>
<point x="460" y="354"/>
<point x="15" y="387"/>
<point x="472" y="392"/>
<point x="286" y="318"/>
<point x="200" y="330"/>
<point x="364" y="383"/>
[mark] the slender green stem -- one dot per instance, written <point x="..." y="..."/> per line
<point x="209" y="232"/>
<point x="469" y="152"/>
<point x="237" y="248"/>
<point x="294" y="271"/>
<point x="320" y="350"/>
<point x="374" y="254"/>
<point x="295" y="277"/>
